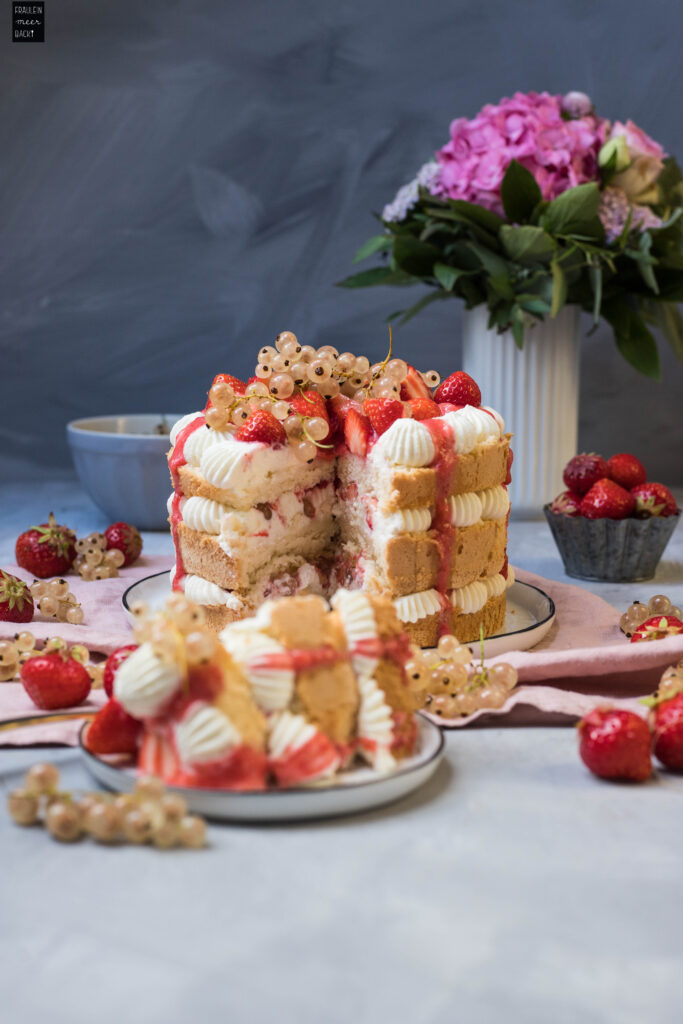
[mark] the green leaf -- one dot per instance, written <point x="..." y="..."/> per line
<point x="518" y="333"/>
<point x="575" y="210"/>
<point x="447" y="276"/>
<point x="424" y="301"/>
<point x="415" y="257"/>
<point x="667" y="317"/>
<point x="634" y="340"/>
<point x="500" y="285"/>
<point x="533" y="304"/>
<point x="478" y="214"/>
<point x="374" y="244"/>
<point x="645" y="265"/>
<point x="595" y="278"/>
<point x="492" y="264"/>
<point x="559" y="288"/>
<point x="520" y="193"/>
<point x="527" y="244"/>
<point x="376" y="276"/>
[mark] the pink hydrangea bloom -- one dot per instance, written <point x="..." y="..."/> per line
<point x="529" y="128"/>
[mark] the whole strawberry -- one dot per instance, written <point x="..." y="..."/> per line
<point x="263" y="427"/>
<point x="666" y="722"/>
<point x="55" y="680"/>
<point x="46" y="550"/>
<point x="112" y="731"/>
<point x="607" y="500"/>
<point x="653" y="500"/>
<point x="626" y="470"/>
<point x="460" y="389"/>
<point x="382" y="412"/>
<point x="16" y="601"/>
<point x="567" y="504"/>
<point x="583" y="471"/>
<point x="126" y="539"/>
<point x="111" y="665"/>
<point x="615" y="744"/>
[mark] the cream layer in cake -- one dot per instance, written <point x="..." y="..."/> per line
<point x="421" y="518"/>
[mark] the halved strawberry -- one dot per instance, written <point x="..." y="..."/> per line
<point x="424" y="408"/>
<point x="459" y="388"/>
<point x="382" y="412"/>
<point x="357" y="432"/>
<point x="413" y="386"/>
<point x="263" y="427"/>
<point x="657" y="628"/>
<point x="309" y="403"/>
<point x="342" y="404"/>
<point x="112" y="731"/>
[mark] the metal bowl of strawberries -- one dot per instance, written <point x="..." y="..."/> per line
<point x="611" y="523"/>
<point x="121" y="463"/>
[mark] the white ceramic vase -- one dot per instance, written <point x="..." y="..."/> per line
<point x="536" y="390"/>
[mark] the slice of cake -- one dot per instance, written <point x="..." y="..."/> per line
<point x="323" y="471"/>
<point x="289" y="697"/>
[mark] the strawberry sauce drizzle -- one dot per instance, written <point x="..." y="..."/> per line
<point x="175" y="460"/>
<point x="442" y="525"/>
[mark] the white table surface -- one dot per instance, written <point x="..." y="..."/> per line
<point x="513" y="888"/>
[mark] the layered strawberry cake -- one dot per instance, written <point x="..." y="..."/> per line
<point x="293" y="696"/>
<point x="323" y="472"/>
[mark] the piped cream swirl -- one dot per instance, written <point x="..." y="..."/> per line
<point x="272" y="686"/>
<point x="144" y="683"/>
<point x="407" y="442"/>
<point x="413" y="607"/>
<point x="469" y="599"/>
<point x="358" y="619"/>
<point x="465" y="509"/>
<point x="495" y="502"/>
<point x="375" y="724"/>
<point x="205" y="734"/>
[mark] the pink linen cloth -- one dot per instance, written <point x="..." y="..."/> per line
<point x="105" y="627"/>
<point x="583" y="660"/>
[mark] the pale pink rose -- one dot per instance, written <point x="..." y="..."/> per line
<point x="639" y="142"/>
<point x="638" y="180"/>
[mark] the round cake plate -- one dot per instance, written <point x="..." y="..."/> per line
<point x="530" y="612"/>
<point x="351" y="792"/>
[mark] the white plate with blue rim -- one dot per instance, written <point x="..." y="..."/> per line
<point x="350" y="792"/>
<point x="529" y="615"/>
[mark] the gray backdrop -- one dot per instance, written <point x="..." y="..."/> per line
<point x="179" y="181"/>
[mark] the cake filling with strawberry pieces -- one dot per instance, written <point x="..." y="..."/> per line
<point x="323" y="471"/>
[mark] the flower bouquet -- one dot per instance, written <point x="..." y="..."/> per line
<point x="538" y="202"/>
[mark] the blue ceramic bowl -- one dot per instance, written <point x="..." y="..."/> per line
<point x="121" y="463"/>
